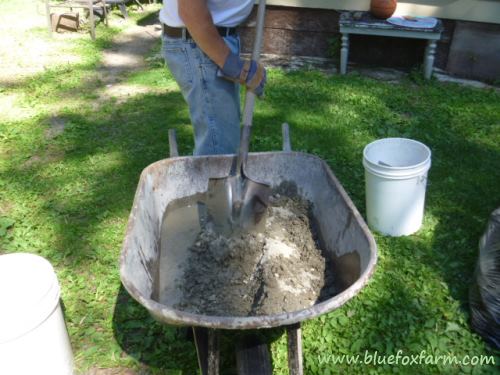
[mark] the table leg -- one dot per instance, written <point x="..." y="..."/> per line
<point x="430" y="52"/>
<point x="140" y="5"/>
<point x="344" y="53"/>
<point x="91" y="19"/>
<point x="49" y="18"/>
<point x="105" y="11"/>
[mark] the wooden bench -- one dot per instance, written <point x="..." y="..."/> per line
<point x="364" y="23"/>
<point x="89" y="5"/>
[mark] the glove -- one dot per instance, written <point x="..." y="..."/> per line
<point x="247" y="72"/>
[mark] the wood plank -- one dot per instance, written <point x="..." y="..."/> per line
<point x="253" y="357"/>
<point x="295" y="364"/>
<point x="475" y="51"/>
<point x="207" y="349"/>
<point x="304" y="19"/>
<point x="289" y="42"/>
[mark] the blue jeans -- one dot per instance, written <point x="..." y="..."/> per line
<point x="214" y="102"/>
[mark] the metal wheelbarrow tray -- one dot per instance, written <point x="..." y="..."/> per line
<point x="343" y="232"/>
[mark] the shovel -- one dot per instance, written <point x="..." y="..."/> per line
<point x="237" y="201"/>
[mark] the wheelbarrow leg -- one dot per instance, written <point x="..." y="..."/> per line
<point x="252" y="357"/>
<point x="294" y="350"/>
<point x="207" y="348"/>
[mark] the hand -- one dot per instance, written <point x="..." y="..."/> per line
<point x="247" y="72"/>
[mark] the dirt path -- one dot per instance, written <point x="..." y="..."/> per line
<point x="127" y="55"/>
<point x="129" y="49"/>
<point x="25" y="53"/>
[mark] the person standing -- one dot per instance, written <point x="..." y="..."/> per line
<point x="201" y="48"/>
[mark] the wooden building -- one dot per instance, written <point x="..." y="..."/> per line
<point x="469" y="47"/>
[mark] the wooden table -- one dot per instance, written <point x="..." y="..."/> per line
<point x="364" y="23"/>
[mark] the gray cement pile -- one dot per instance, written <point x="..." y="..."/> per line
<point x="280" y="270"/>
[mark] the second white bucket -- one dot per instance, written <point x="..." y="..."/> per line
<point x="33" y="335"/>
<point x="396" y="179"/>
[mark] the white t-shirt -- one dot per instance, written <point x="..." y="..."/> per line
<point x="227" y="13"/>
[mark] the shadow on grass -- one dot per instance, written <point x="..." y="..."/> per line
<point x="168" y="348"/>
<point x="102" y="155"/>
<point x="156" y="345"/>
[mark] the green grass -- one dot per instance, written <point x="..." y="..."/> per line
<point x="67" y="197"/>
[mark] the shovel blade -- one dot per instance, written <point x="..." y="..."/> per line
<point x="237" y="203"/>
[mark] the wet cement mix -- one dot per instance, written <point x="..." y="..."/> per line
<point x="279" y="270"/>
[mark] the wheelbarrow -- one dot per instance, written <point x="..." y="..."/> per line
<point x="344" y="235"/>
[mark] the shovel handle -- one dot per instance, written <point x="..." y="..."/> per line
<point x="250" y="96"/>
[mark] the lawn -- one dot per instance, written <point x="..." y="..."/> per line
<point x="70" y="161"/>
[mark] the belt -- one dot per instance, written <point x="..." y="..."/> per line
<point x="182" y="32"/>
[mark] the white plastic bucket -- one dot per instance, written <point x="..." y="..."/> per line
<point x="396" y="178"/>
<point x="33" y="335"/>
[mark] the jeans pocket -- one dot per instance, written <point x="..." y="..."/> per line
<point x="177" y="59"/>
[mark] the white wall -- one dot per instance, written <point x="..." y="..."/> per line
<point x="467" y="10"/>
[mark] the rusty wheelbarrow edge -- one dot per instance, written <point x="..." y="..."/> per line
<point x="178" y="317"/>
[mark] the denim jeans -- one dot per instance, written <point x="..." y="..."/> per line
<point x="214" y="102"/>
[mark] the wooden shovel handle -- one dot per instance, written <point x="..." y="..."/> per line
<point x="250" y="96"/>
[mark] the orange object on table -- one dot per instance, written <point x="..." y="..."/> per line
<point x="383" y="8"/>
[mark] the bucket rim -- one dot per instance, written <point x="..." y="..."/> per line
<point x="367" y="162"/>
<point x="19" y="320"/>
<point x="396" y="174"/>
